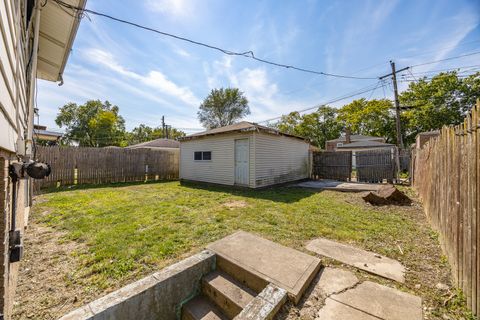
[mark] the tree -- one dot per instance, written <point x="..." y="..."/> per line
<point x="443" y="100"/>
<point x="93" y="124"/>
<point x="373" y="117"/>
<point x="319" y="126"/>
<point x="144" y="133"/>
<point x="223" y="107"/>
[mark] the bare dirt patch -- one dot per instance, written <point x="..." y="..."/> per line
<point x="47" y="286"/>
<point x="234" y="204"/>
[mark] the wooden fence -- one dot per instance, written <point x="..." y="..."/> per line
<point x="375" y="165"/>
<point x="332" y="165"/>
<point x="71" y="165"/>
<point x="446" y="173"/>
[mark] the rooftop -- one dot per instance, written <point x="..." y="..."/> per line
<point x="365" y="144"/>
<point x="157" y="143"/>
<point x="243" y="126"/>
<point x="355" y="137"/>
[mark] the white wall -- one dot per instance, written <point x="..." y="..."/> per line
<point x="279" y="159"/>
<point x="273" y="159"/>
<point x="13" y="83"/>
<point x="221" y="169"/>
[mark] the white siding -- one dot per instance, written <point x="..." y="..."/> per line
<point x="279" y="159"/>
<point x="13" y="95"/>
<point x="221" y="169"/>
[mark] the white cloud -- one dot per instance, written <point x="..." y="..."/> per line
<point x="173" y="8"/>
<point x="263" y="94"/>
<point x="155" y="79"/>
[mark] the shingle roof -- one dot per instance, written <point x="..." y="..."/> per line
<point x="47" y="133"/>
<point x="242" y="126"/>
<point x="157" y="143"/>
<point x="365" y="144"/>
<point x="355" y="137"/>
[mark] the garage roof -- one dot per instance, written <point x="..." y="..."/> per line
<point x="58" y="27"/>
<point x="243" y="126"/>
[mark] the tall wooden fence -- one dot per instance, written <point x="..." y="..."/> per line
<point x="71" y="165"/>
<point x="375" y="165"/>
<point x="332" y="165"/>
<point x="446" y="173"/>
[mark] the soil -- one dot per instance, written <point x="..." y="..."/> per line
<point x="47" y="288"/>
<point x="235" y="204"/>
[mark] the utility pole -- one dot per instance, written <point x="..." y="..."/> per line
<point x="397" y="102"/>
<point x="163" y="126"/>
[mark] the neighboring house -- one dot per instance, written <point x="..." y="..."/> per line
<point x="243" y="154"/>
<point x="157" y="144"/>
<point x="354" y="140"/>
<point x="363" y="145"/>
<point x="358" y="142"/>
<point x="44" y="136"/>
<point x="36" y="38"/>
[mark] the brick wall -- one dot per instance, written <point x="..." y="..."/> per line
<point x="9" y="271"/>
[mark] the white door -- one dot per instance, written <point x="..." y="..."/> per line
<point x="241" y="162"/>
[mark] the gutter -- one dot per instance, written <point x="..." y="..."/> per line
<point x="69" y="44"/>
<point x="33" y="77"/>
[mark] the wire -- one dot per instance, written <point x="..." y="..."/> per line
<point x="371" y="94"/>
<point x="446" y="59"/>
<point x="247" y="54"/>
<point x="349" y="95"/>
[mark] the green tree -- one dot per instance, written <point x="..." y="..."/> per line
<point x="318" y="127"/>
<point x="223" y="107"/>
<point x="442" y="100"/>
<point x="93" y="124"/>
<point x="144" y="133"/>
<point x="373" y="117"/>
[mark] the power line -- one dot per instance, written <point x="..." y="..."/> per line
<point x="349" y="95"/>
<point x="247" y="54"/>
<point x="446" y="59"/>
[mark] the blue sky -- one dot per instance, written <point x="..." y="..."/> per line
<point x="148" y="75"/>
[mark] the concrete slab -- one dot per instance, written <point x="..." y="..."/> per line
<point x="339" y="185"/>
<point x="265" y="305"/>
<point x="287" y="268"/>
<point x="365" y="260"/>
<point x="334" y="310"/>
<point x="382" y="302"/>
<point x="333" y="280"/>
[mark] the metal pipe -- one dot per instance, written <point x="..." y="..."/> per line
<point x="31" y="100"/>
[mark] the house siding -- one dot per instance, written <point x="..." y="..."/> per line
<point x="221" y="169"/>
<point x="279" y="159"/>
<point x="14" y="81"/>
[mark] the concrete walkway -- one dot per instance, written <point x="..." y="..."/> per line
<point x="345" y="298"/>
<point x="339" y="185"/>
<point x="371" y="301"/>
<point x="361" y="259"/>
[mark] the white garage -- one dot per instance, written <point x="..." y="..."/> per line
<point x="244" y="154"/>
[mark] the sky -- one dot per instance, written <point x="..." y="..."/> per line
<point x="149" y="76"/>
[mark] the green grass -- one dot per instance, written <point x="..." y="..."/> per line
<point x="130" y="229"/>
<point x="125" y="231"/>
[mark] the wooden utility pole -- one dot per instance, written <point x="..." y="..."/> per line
<point x="398" y="124"/>
<point x="163" y="126"/>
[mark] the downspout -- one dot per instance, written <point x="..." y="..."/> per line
<point x="31" y="100"/>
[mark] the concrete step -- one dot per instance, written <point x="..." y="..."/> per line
<point x="227" y="293"/>
<point x="245" y="277"/>
<point x="201" y="308"/>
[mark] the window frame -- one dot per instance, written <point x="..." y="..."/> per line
<point x="202" y="157"/>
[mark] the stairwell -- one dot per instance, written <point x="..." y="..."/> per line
<point x="225" y="295"/>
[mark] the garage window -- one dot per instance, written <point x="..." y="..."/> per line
<point x="202" y="155"/>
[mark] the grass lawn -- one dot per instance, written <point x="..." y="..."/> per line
<point x="112" y="235"/>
